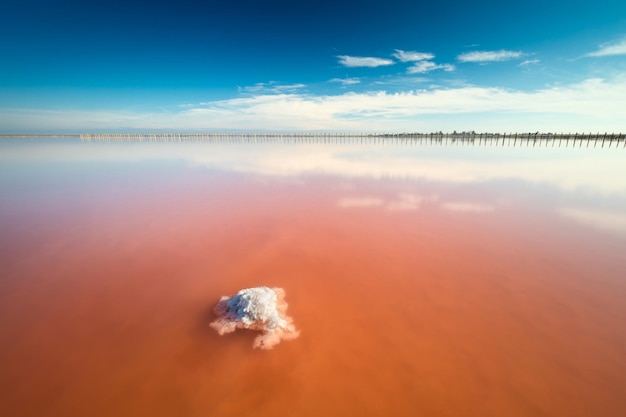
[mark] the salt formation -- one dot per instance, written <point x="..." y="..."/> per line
<point x="260" y="308"/>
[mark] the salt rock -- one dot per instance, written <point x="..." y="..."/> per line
<point x="260" y="308"/>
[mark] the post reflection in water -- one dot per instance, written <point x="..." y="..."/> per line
<point x="425" y="280"/>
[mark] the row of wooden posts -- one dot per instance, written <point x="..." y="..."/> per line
<point x="462" y="138"/>
<point x="458" y="135"/>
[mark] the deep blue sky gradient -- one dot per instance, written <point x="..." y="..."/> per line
<point x="154" y="55"/>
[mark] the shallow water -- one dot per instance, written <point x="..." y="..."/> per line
<point x="425" y="280"/>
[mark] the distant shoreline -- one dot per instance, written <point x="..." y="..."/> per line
<point x="40" y="136"/>
<point x="438" y="134"/>
<point x="460" y="138"/>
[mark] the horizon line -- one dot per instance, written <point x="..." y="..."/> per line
<point x="456" y="134"/>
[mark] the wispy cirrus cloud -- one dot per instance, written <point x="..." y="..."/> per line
<point x="345" y="81"/>
<point x="610" y="49"/>
<point x="422" y="62"/>
<point x="412" y="56"/>
<point x="529" y="62"/>
<point x="423" y="67"/>
<point x="401" y="81"/>
<point x="489" y="56"/>
<point x="364" y="61"/>
<point x="272" y="87"/>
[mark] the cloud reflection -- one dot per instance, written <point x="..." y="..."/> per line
<point x="467" y="207"/>
<point x="593" y="170"/>
<point x="405" y="202"/>
<point x="603" y="220"/>
<point x="348" y="202"/>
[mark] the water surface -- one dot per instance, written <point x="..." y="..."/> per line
<point x="426" y="280"/>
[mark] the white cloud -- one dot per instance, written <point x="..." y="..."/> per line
<point x="422" y="62"/>
<point x="412" y="56"/>
<point x="401" y="81"/>
<point x="271" y="87"/>
<point x="360" y="61"/>
<point x="346" y="81"/>
<point x="592" y="105"/>
<point x="610" y="49"/>
<point x="489" y="56"/>
<point x="427" y="66"/>
<point x="529" y="62"/>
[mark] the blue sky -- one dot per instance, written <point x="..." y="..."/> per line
<point x="323" y="65"/>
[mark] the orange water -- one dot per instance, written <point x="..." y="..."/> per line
<point x="106" y="296"/>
